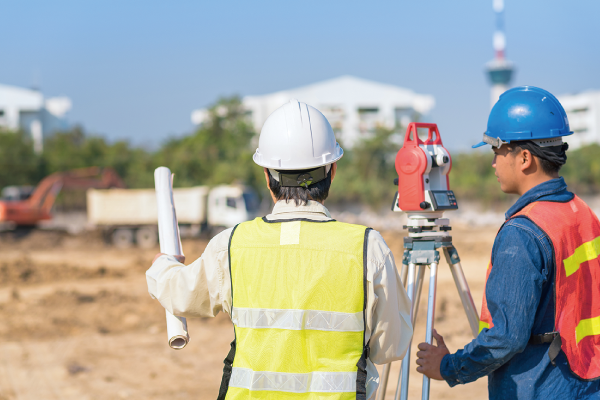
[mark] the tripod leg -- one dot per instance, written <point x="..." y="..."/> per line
<point x="402" y="388"/>
<point x="404" y="273"/>
<point x="385" y="375"/>
<point x="430" y="318"/>
<point x="418" y="288"/>
<point x="463" y="288"/>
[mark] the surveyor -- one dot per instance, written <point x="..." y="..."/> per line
<point x="540" y="320"/>
<point x="314" y="302"/>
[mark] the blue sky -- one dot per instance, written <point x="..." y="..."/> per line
<point x="135" y="70"/>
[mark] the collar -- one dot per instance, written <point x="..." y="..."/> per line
<point x="552" y="190"/>
<point x="312" y="207"/>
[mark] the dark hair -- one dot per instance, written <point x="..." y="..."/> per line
<point x="551" y="158"/>
<point x="301" y="195"/>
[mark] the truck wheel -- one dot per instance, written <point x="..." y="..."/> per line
<point x="146" y="238"/>
<point x="122" y="238"/>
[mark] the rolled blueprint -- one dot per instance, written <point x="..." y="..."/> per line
<point x="170" y="243"/>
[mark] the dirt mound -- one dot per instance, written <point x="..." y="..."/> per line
<point x="32" y="238"/>
<point x="25" y="271"/>
<point x="65" y="313"/>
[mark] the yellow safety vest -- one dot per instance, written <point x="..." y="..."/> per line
<point x="299" y="297"/>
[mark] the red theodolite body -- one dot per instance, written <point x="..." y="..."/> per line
<point x="423" y="168"/>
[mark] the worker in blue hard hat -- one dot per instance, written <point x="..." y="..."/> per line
<point x="539" y="334"/>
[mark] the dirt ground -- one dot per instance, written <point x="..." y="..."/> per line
<point x="76" y="322"/>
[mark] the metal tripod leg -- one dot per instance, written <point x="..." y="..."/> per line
<point x="402" y="388"/>
<point x="414" y="286"/>
<point x="385" y="373"/>
<point x="410" y="289"/>
<point x="430" y="318"/>
<point x="403" y="274"/>
<point x="418" y="287"/>
<point x="463" y="288"/>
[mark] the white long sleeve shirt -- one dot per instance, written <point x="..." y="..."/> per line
<point x="203" y="288"/>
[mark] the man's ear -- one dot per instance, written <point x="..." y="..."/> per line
<point x="267" y="178"/>
<point x="525" y="160"/>
<point x="333" y="170"/>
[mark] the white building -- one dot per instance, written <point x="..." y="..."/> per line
<point x="28" y="110"/>
<point x="353" y="106"/>
<point x="583" y="111"/>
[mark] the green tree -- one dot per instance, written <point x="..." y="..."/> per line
<point x="472" y="177"/>
<point x="73" y="149"/>
<point x="582" y="170"/>
<point x="366" y="172"/>
<point x="19" y="165"/>
<point x="219" y="152"/>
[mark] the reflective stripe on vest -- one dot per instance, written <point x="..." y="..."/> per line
<point x="574" y="231"/>
<point x="328" y="382"/>
<point x="297" y="319"/>
<point x="586" y="252"/>
<point x="298" y="309"/>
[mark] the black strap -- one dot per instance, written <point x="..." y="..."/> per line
<point x="554" y="349"/>
<point x="361" y="374"/>
<point x="555" y="344"/>
<point x="227" y="368"/>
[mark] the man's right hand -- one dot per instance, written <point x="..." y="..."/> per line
<point x="430" y="357"/>
<point x="181" y="259"/>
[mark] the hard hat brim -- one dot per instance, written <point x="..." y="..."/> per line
<point x="279" y="167"/>
<point x="478" y="145"/>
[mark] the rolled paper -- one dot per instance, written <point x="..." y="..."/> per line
<point x="170" y="243"/>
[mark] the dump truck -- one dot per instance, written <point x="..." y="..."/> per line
<point x="129" y="217"/>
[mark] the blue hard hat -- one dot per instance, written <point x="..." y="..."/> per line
<point x="525" y="113"/>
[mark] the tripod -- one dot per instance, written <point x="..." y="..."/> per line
<point x="426" y="234"/>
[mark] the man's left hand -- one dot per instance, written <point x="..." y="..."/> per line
<point x="430" y="357"/>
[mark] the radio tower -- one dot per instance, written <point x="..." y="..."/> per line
<point x="499" y="70"/>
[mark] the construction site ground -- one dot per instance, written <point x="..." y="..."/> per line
<point x="76" y="322"/>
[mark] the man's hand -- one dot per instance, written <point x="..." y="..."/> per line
<point x="430" y="357"/>
<point x="181" y="259"/>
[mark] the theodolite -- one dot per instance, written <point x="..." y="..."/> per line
<point x="424" y="195"/>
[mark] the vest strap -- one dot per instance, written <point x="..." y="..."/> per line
<point x="361" y="374"/>
<point x="227" y="371"/>
<point x="555" y="343"/>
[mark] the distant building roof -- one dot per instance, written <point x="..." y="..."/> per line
<point x="27" y="109"/>
<point x="354" y="106"/>
<point x="24" y="99"/>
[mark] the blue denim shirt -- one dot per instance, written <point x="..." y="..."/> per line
<point x="520" y="297"/>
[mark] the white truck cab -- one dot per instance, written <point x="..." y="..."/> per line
<point x="230" y="205"/>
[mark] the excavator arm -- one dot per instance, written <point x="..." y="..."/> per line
<point x="37" y="207"/>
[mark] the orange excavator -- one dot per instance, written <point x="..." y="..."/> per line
<point x="24" y="206"/>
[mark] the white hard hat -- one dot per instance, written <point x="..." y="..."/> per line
<point x="296" y="136"/>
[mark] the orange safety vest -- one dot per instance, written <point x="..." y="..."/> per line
<point x="574" y="231"/>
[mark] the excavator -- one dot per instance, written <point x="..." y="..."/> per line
<point x="26" y="206"/>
